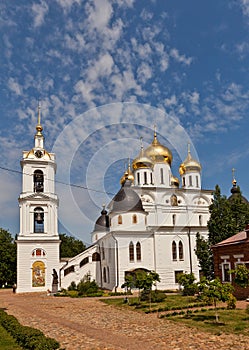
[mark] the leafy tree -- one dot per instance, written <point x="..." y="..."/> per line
<point x="241" y="276"/>
<point x="129" y="282"/>
<point x="187" y="281"/>
<point x="144" y="281"/>
<point x="70" y="246"/>
<point x="220" y="221"/>
<point x="7" y="258"/>
<point x="227" y="216"/>
<point x="205" y="256"/>
<point x="215" y="291"/>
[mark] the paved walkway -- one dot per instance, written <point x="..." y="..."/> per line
<point x="90" y="324"/>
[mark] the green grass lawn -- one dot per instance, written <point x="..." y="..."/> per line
<point x="230" y="321"/>
<point x="172" y="302"/>
<point x="6" y="341"/>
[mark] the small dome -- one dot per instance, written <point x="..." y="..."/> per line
<point x="102" y="223"/>
<point x="235" y="190"/>
<point x="142" y="161"/>
<point x="174" y="181"/>
<point x="128" y="175"/>
<point x="158" y="153"/>
<point x="189" y="164"/>
<point x="127" y="200"/>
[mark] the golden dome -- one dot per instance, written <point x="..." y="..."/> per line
<point x="128" y="175"/>
<point x="142" y="161"/>
<point x="174" y="181"/>
<point x="189" y="164"/>
<point x="158" y="153"/>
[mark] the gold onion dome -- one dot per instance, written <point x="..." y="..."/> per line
<point x="142" y="161"/>
<point x="128" y="175"/>
<point x="157" y="152"/>
<point x="174" y="181"/>
<point x="189" y="164"/>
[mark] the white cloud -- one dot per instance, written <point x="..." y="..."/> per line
<point x="174" y="53"/>
<point x="99" y="13"/>
<point x="245" y="6"/>
<point x="170" y="101"/>
<point x="144" y="72"/>
<point x="39" y="11"/>
<point x="15" y="86"/>
<point x="100" y="68"/>
<point x="67" y="4"/>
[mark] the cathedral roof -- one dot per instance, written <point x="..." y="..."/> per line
<point x="235" y="192"/>
<point x="102" y="223"/>
<point x="189" y="164"/>
<point x="128" y="175"/>
<point x="157" y="152"/>
<point x="126" y="200"/>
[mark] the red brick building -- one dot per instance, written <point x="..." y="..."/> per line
<point x="228" y="254"/>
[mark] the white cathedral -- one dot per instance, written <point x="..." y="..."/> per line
<point x="151" y="223"/>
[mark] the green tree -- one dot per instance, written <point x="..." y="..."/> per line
<point x="241" y="276"/>
<point x="7" y="258"/>
<point x="220" y="222"/>
<point x="144" y="281"/>
<point x="227" y="216"/>
<point x="215" y="291"/>
<point x="187" y="281"/>
<point x="70" y="246"/>
<point x="129" y="282"/>
<point x="204" y="254"/>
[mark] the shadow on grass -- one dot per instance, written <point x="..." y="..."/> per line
<point x="208" y="319"/>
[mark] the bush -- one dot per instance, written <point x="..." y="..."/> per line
<point x="89" y="288"/>
<point x="72" y="286"/>
<point x="231" y="302"/>
<point x="27" y="337"/>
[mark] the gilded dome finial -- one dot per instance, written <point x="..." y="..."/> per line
<point x="155" y="134"/>
<point x="141" y="143"/>
<point x="39" y="128"/>
<point x="234" y="182"/>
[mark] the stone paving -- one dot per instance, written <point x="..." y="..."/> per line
<point x="89" y="324"/>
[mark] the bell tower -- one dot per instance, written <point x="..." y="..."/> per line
<point x="38" y="242"/>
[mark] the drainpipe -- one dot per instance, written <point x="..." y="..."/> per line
<point x="190" y="251"/>
<point x="116" y="262"/>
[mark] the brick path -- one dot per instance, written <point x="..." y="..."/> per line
<point x="92" y="325"/>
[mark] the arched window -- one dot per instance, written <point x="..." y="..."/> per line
<point x="38" y="220"/>
<point x="151" y="179"/>
<point x="174" y="219"/>
<point x="120" y="221"/>
<point x="38" y="181"/>
<point x="183" y="182"/>
<point x="96" y="257"/>
<point x="145" y="178"/>
<point x="180" y="248"/>
<point x="138" y="178"/>
<point x="174" y="252"/>
<point x="197" y="181"/>
<point x="108" y="274"/>
<point x="38" y="252"/>
<point x="104" y="274"/>
<point x="84" y="261"/>
<point x="161" y="173"/>
<point x="103" y="250"/>
<point x="134" y="219"/>
<point x="200" y="220"/>
<point x="131" y="251"/>
<point x="190" y="181"/>
<point x="138" y="251"/>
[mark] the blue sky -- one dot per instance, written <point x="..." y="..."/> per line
<point x="105" y="72"/>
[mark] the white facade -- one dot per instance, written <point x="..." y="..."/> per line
<point x="152" y="222"/>
<point x="38" y="260"/>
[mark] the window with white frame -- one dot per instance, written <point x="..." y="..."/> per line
<point x="226" y="276"/>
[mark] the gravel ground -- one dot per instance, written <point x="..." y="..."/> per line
<point x="89" y="324"/>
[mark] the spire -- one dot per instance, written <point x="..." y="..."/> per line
<point x="39" y="138"/>
<point x="234" y="182"/>
<point x="39" y="128"/>
<point x="155" y="136"/>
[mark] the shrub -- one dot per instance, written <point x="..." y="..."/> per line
<point x="231" y="302"/>
<point x="28" y="338"/>
<point x="72" y="286"/>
